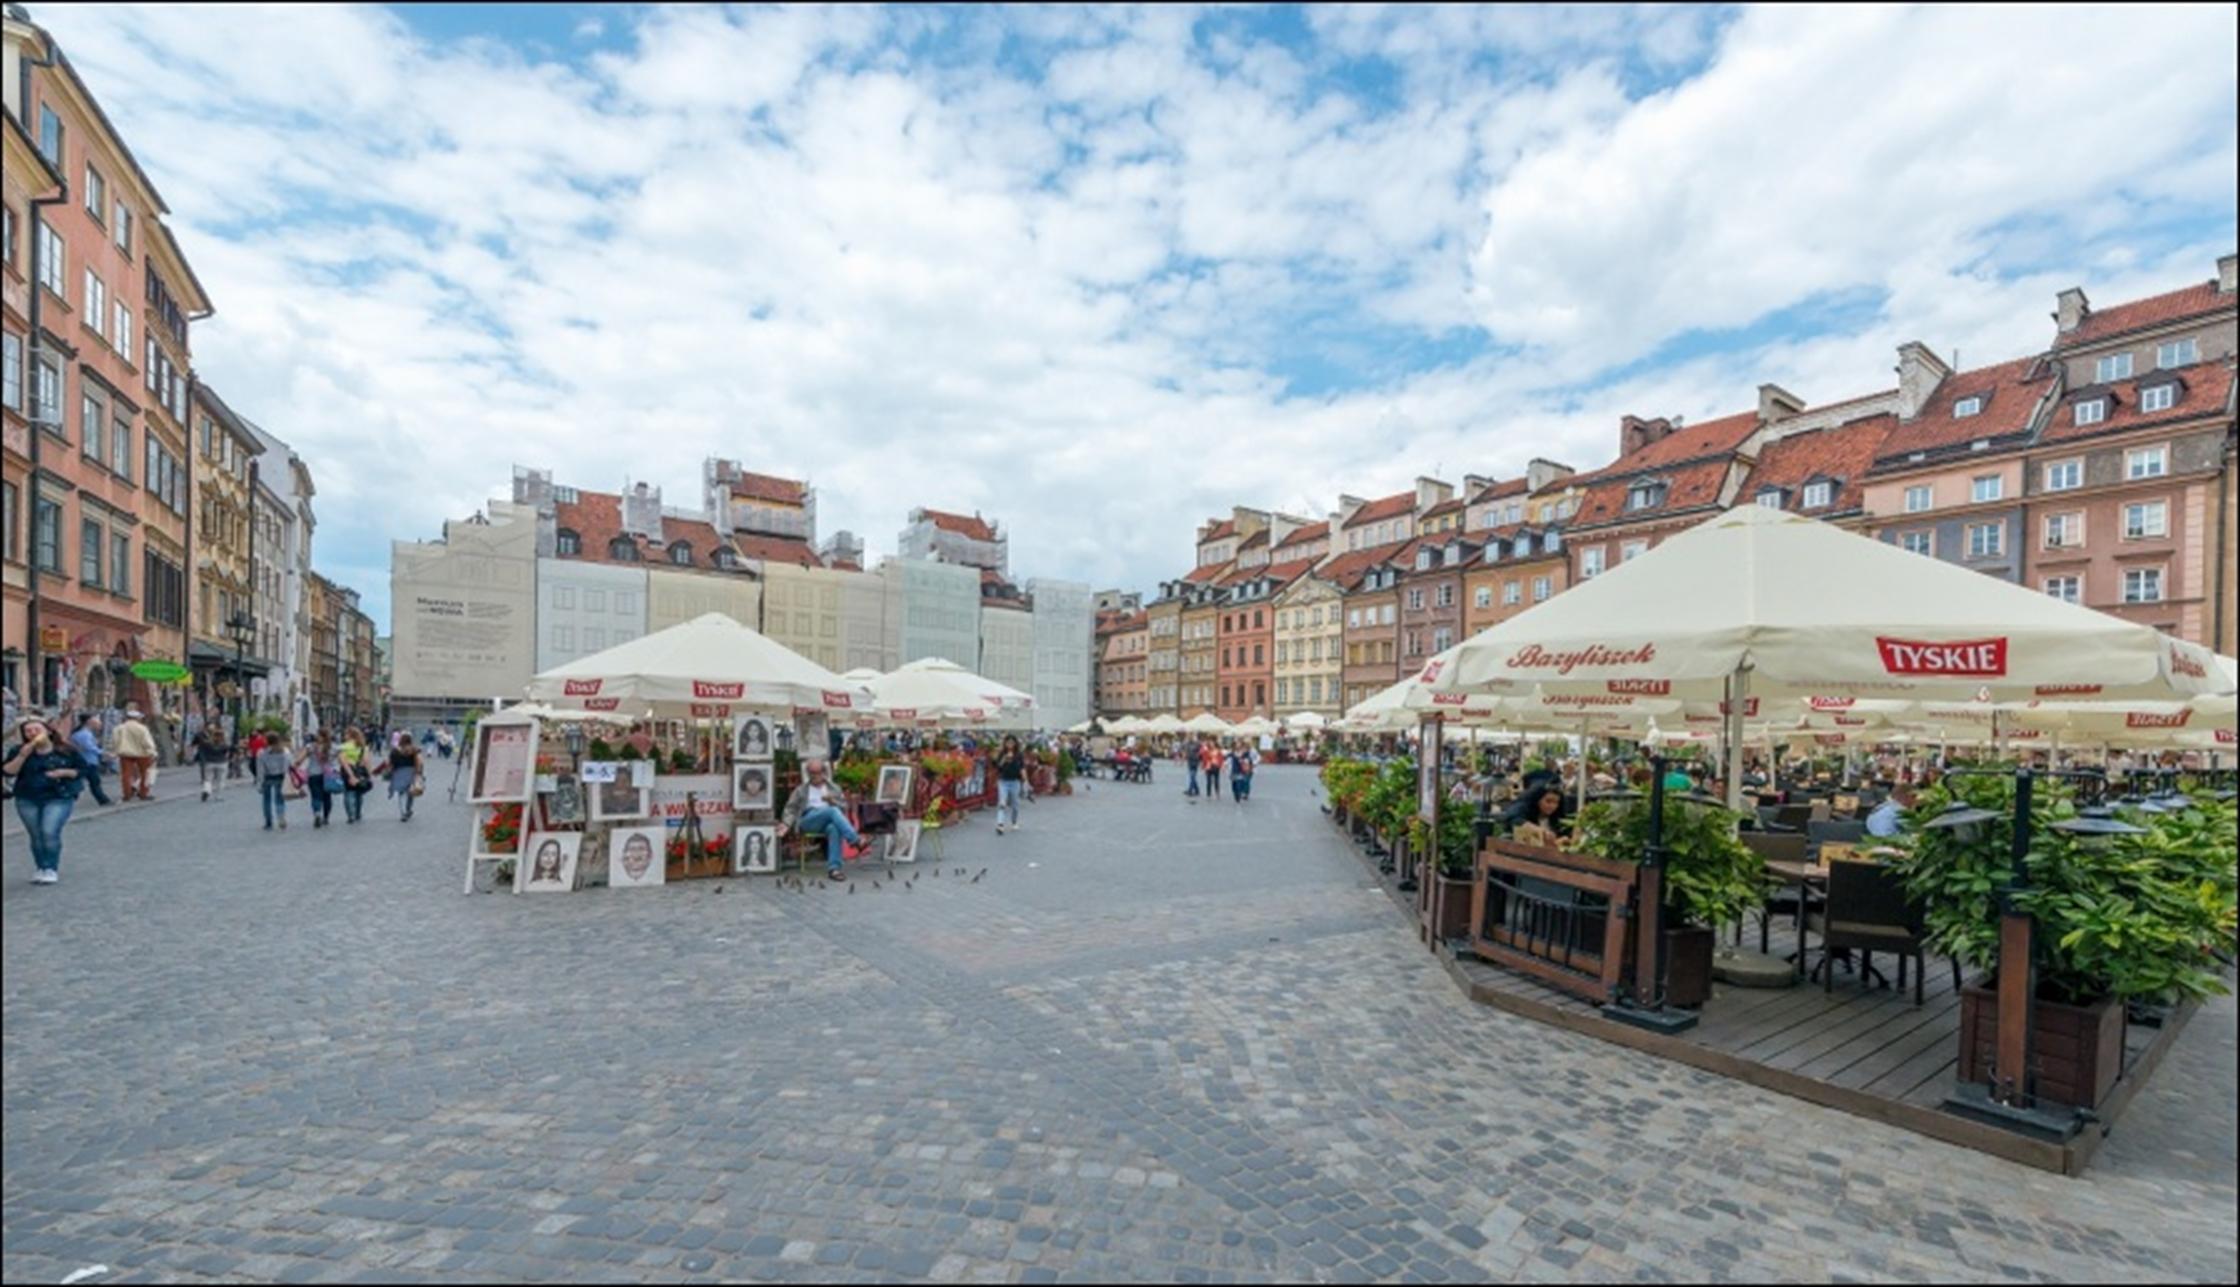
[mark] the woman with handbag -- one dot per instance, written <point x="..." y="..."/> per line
<point x="357" y="775"/>
<point x="404" y="775"/>
<point x="322" y="777"/>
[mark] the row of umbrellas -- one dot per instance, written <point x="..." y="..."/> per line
<point x="712" y="667"/>
<point x="1208" y="723"/>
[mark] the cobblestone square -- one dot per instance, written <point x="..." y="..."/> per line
<point x="1154" y="1041"/>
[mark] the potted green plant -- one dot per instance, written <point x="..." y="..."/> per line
<point x="1710" y="878"/>
<point x="1451" y="861"/>
<point x="2118" y="917"/>
<point x="1346" y="782"/>
<point x="1389" y="801"/>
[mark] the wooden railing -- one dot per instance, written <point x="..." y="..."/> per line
<point x="1560" y="917"/>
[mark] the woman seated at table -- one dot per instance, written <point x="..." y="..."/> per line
<point x="1542" y="817"/>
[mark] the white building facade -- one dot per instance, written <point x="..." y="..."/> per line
<point x="1065" y="626"/>
<point x="584" y="608"/>
<point x="940" y="610"/>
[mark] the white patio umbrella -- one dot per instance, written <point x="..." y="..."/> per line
<point x="707" y="667"/>
<point x="1757" y="600"/>
<point x="1257" y="726"/>
<point x="1306" y="720"/>
<point x="1163" y="724"/>
<point x="1127" y="724"/>
<point x="1205" y="722"/>
<point x="933" y="693"/>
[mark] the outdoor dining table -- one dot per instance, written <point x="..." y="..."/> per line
<point x="1803" y="877"/>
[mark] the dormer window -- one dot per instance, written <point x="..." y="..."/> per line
<point x="1645" y="496"/>
<point x="1818" y="495"/>
<point x="680" y="554"/>
<point x="568" y="543"/>
<point x="622" y="550"/>
<point x="1770" y="498"/>
<point x="2159" y="397"/>
<point x="726" y="560"/>
<point x="2091" y="411"/>
<point x="1969" y="406"/>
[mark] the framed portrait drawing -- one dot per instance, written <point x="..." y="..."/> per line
<point x="634" y="857"/>
<point x="894" y="785"/>
<point x="903" y="845"/>
<point x="753" y="787"/>
<point x="505" y="760"/>
<point x="619" y="799"/>
<point x="563" y="804"/>
<point x="548" y="863"/>
<point x="816" y="735"/>
<point x="752" y="739"/>
<point x="754" y="849"/>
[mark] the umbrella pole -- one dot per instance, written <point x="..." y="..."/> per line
<point x="1582" y="774"/>
<point x="1738" y="694"/>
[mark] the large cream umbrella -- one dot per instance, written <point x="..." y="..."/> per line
<point x="1163" y="723"/>
<point x="992" y="692"/>
<point x="704" y="668"/>
<point x="1757" y="600"/>
<point x="1127" y="724"/>
<point x="1306" y="720"/>
<point x="1257" y="726"/>
<point x="1205" y="722"/>
<point x="933" y="693"/>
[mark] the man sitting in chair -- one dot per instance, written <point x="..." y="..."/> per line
<point x="815" y="809"/>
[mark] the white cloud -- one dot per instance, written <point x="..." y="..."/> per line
<point x="867" y="247"/>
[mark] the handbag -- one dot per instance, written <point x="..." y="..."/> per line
<point x="333" y="780"/>
<point x="419" y="784"/>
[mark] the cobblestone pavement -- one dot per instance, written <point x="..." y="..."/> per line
<point x="1156" y="1041"/>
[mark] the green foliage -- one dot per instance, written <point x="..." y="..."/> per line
<point x="856" y="774"/>
<point x="1458" y="840"/>
<point x="1711" y="878"/>
<point x="1346" y="781"/>
<point x="601" y="749"/>
<point x="2124" y="916"/>
<point x="1391" y="798"/>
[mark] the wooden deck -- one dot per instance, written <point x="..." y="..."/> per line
<point x="1861" y="1049"/>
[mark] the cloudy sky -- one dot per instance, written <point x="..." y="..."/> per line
<point x="1102" y="273"/>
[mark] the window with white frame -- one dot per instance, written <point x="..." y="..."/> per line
<point x="1632" y="550"/>
<point x="1819" y="495"/>
<point x="2115" y="366"/>
<point x="1989" y="487"/>
<point x="121" y="228"/>
<point x="93" y="426"/>
<point x="564" y="597"/>
<point x="1540" y="589"/>
<point x="1918" y="499"/>
<point x="563" y="638"/>
<point x="2064" y="531"/>
<point x="2068" y="589"/>
<point x="1770" y="498"/>
<point x="1442" y="638"/>
<point x="2159" y="397"/>
<point x="1353" y="617"/>
<point x="50" y="256"/>
<point x="1590" y="561"/>
<point x="1391" y="613"/>
<point x="97" y="195"/>
<point x="1968" y="406"/>
<point x="1446" y="596"/>
<point x="96" y="301"/>
<point x="2172" y="353"/>
<point x="1415" y="600"/>
<point x="2091" y="411"/>
<point x="1645" y="496"/>
<point x="2064" y="475"/>
<point x="1483" y="597"/>
<point x="11" y="371"/>
<point x="124" y="329"/>
<point x="2146" y="462"/>
<point x="1512" y="593"/>
<point x="2142" y="585"/>
<point x="1986" y="540"/>
<point x="2146" y="520"/>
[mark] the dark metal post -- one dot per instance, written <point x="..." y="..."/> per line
<point x="2010" y="1069"/>
<point x="1643" y="1006"/>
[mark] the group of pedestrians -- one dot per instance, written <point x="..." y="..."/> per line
<point x="328" y="770"/>
<point x="1205" y="760"/>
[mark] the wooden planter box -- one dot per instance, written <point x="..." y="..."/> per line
<point x="1688" y="952"/>
<point x="2076" y="1051"/>
<point x="1451" y="900"/>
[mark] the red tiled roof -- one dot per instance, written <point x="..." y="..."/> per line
<point x="1840" y="454"/>
<point x="1500" y="490"/>
<point x="775" y="549"/>
<point x="1254" y="541"/>
<point x="1688" y="486"/>
<point x="2009" y="390"/>
<point x="1711" y="438"/>
<point x="1389" y="507"/>
<point x="596" y="519"/>
<point x="768" y="487"/>
<point x="2201" y="300"/>
<point x="1289" y="571"/>
<point x="1311" y="532"/>
<point x="2207" y="391"/>
<point x="971" y="525"/>
<point x="1220" y="528"/>
<point x="1443" y="507"/>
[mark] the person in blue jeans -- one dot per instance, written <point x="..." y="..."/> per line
<point x="815" y="809"/>
<point x="273" y="763"/>
<point x="1190" y="760"/>
<point x="1011" y="776"/>
<point x="87" y="740"/>
<point x="48" y="777"/>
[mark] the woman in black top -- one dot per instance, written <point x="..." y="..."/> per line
<point x="47" y="774"/>
<point x="1011" y="776"/>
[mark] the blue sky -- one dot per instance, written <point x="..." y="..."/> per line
<point x="1101" y="273"/>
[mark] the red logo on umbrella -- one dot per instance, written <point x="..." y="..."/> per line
<point x="725" y="692"/>
<point x="1834" y="703"/>
<point x="1642" y="687"/>
<point x="2148" y="719"/>
<point x="2066" y="690"/>
<point x="710" y="710"/>
<point x="602" y="703"/>
<point x="840" y="701"/>
<point x="1965" y="657"/>
<point x="583" y="687"/>
<point x="2185" y="665"/>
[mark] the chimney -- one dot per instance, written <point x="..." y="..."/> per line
<point x="2228" y="274"/>
<point x="1472" y="484"/>
<point x="1542" y="474"/>
<point x="1430" y="491"/>
<point x="1634" y="433"/>
<point x="1347" y="507"/>
<point x="2070" y="308"/>
<point x="1920" y="372"/>
<point x="1776" y="404"/>
<point x="641" y="512"/>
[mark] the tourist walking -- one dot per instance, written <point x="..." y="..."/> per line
<point x="1190" y="761"/>
<point x="212" y="754"/>
<point x="357" y="775"/>
<point x="87" y="741"/>
<point x="322" y="776"/>
<point x="1011" y="773"/>
<point x="404" y="775"/>
<point x="47" y="777"/>
<point x="136" y="756"/>
<point x="1209" y="759"/>
<point x="1241" y="762"/>
<point x="271" y="767"/>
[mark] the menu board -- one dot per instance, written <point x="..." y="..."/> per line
<point x="505" y="761"/>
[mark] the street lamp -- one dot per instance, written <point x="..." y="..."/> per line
<point x="240" y="628"/>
